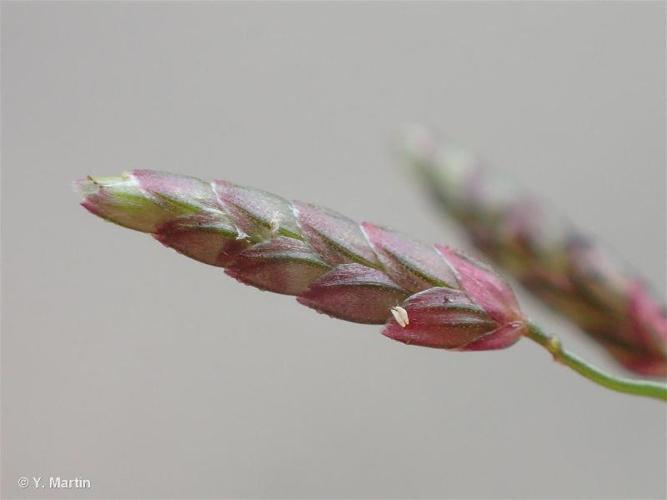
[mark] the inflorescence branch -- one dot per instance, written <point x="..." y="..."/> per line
<point x="427" y="295"/>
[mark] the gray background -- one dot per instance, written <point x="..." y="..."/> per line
<point x="155" y="376"/>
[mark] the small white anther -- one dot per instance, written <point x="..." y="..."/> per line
<point x="400" y="315"/>
<point x="276" y="219"/>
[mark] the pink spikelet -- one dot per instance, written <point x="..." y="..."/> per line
<point x="423" y="294"/>
<point x="551" y="258"/>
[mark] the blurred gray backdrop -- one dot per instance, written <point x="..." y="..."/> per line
<point x="152" y="375"/>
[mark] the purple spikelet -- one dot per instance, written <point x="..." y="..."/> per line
<point x="424" y="295"/>
<point x="551" y="258"/>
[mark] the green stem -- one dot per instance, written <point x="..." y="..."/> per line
<point x="629" y="386"/>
